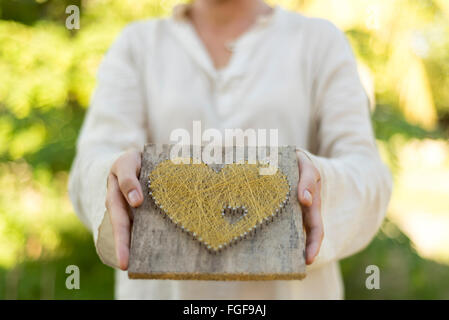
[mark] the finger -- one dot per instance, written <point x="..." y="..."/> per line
<point x="121" y="224"/>
<point x="308" y="178"/>
<point x="307" y="184"/>
<point x="126" y="170"/>
<point x="314" y="230"/>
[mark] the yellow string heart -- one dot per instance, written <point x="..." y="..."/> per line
<point x="197" y="198"/>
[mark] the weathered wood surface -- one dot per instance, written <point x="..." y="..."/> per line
<point x="159" y="250"/>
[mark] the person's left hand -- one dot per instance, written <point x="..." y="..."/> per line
<point x="309" y="196"/>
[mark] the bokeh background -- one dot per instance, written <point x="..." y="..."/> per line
<point x="47" y="74"/>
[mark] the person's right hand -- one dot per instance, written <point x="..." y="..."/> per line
<point x="123" y="191"/>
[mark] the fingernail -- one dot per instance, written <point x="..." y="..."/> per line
<point x="133" y="197"/>
<point x="307" y="196"/>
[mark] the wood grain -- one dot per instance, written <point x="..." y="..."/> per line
<point x="159" y="250"/>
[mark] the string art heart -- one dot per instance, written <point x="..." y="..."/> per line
<point x="220" y="207"/>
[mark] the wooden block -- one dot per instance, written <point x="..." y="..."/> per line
<point x="159" y="250"/>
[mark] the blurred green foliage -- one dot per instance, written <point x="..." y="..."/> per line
<point x="403" y="273"/>
<point x="47" y="74"/>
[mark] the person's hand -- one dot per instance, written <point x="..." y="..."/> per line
<point x="309" y="196"/>
<point x="123" y="191"/>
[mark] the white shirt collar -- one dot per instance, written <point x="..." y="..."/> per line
<point x="184" y="31"/>
<point x="180" y="13"/>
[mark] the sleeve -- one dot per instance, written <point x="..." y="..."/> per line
<point x="114" y="123"/>
<point x="356" y="185"/>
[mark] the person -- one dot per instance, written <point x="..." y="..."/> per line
<point x="234" y="64"/>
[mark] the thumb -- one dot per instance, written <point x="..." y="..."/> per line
<point x="126" y="171"/>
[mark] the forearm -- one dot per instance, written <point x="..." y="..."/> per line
<point x="355" y="193"/>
